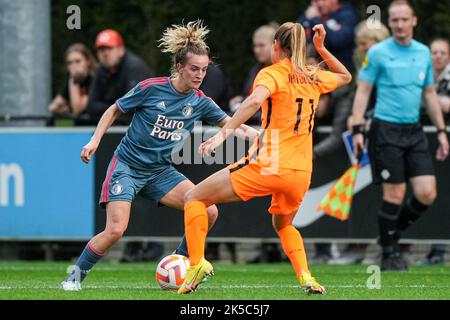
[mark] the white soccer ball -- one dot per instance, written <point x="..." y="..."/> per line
<point x="171" y="271"/>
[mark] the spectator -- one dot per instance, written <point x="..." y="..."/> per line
<point x="262" y="48"/>
<point x="440" y="55"/>
<point x="339" y="21"/>
<point x="73" y="96"/>
<point x="120" y="70"/>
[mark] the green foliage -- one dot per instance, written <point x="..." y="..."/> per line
<point x="232" y="24"/>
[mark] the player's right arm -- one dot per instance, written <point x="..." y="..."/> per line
<point x="129" y="102"/>
<point x="106" y="121"/>
<point x="343" y="76"/>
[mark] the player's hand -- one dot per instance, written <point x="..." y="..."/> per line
<point x="442" y="151"/>
<point x="209" y="146"/>
<point x="88" y="151"/>
<point x="358" y="144"/>
<point x="319" y="36"/>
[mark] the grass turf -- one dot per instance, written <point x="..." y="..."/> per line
<point x="40" y="280"/>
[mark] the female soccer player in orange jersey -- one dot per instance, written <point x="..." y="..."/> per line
<point x="280" y="161"/>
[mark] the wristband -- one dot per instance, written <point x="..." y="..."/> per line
<point x="441" y="130"/>
<point x="358" y="128"/>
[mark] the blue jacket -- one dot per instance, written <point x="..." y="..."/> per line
<point x="340" y="28"/>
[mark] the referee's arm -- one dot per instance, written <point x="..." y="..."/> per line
<point x="359" y="107"/>
<point x="360" y="102"/>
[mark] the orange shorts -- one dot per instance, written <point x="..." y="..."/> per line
<point x="287" y="188"/>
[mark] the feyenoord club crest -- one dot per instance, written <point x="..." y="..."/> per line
<point x="187" y="110"/>
<point x="117" y="188"/>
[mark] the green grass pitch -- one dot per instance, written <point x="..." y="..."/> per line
<point x="31" y="280"/>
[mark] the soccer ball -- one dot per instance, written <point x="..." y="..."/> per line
<point x="171" y="271"/>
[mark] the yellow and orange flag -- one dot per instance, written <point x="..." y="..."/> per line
<point x="338" y="201"/>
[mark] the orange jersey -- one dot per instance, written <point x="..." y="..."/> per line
<point x="287" y="120"/>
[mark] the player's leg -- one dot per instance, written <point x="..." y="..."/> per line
<point x="117" y="217"/>
<point x="291" y="241"/>
<point x="117" y="195"/>
<point x="291" y="189"/>
<point x="215" y="189"/>
<point x="175" y="199"/>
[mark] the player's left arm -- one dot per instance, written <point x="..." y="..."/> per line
<point x="247" y="109"/>
<point x="435" y="113"/>
<point x="243" y="132"/>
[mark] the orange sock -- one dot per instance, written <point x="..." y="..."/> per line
<point x="292" y="244"/>
<point x="196" y="228"/>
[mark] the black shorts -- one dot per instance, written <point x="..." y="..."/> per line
<point x="398" y="152"/>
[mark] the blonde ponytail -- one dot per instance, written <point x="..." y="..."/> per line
<point x="292" y="39"/>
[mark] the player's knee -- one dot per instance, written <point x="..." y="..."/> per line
<point x="190" y="196"/>
<point x="275" y="225"/>
<point x="279" y="224"/>
<point x="213" y="214"/>
<point x="115" y="232"/>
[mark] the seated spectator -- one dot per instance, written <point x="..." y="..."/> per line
<point x="262" y="48"/>
<point x="120" y="70"/>
<point x="73" y="96"/>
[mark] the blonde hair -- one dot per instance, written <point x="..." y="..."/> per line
<point x="377" y="34"/>
<point x="292" y="40"/>
<point x="179" y="40"/>
<point x="266" y="31"/>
